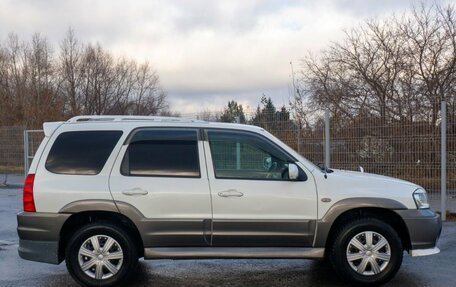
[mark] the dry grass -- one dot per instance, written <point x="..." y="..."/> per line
<point x="11" y="169"/>
<point x="451" y="216"/>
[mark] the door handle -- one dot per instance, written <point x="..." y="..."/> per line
<point x="230" y="193"/>
<point x="135" y="191"/>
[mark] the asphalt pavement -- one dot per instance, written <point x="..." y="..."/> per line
<point x="437" y="270"/>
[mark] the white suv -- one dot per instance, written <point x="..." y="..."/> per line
<point x="103" y="191"/>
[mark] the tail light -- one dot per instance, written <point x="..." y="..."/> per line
<point x="27" y="196"/>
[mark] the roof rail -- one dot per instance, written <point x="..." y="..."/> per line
<point x="132" y="118"/>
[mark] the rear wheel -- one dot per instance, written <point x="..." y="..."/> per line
<point x="366" y="251"/>
<point x="100" y="255"/>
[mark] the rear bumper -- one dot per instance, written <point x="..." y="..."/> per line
<point x="39" y="235"/>
<point x="40" y="251"/>
<point x="424" y="228"/>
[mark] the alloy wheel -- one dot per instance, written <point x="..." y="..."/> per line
<point x="368" y="253"/>
<point x="100" y="257"/>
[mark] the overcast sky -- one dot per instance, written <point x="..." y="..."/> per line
<point x="205" y="52"/>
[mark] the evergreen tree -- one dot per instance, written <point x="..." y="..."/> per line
<point x="232" y="112"/>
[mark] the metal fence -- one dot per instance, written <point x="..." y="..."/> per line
<point x="32" y="140"/>
<point x="406" y="149"/>
<point x="14" y="141"/>
<point x="11" y="149"/>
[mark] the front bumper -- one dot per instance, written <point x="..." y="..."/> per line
<point x="39" y="235"/>
<point x="424" y="228"/>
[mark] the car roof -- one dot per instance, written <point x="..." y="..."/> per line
<point x="81" y="122"/>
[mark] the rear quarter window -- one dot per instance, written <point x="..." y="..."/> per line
<point x="81" y="152"/>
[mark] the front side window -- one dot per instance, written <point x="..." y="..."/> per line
<point x="162" y="152"/>
<point x="243" y="155"/>
<point x="81" y="153"/>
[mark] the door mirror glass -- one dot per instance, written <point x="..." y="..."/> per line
<point x="293" y="171"/>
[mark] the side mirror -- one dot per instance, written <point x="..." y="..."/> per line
<point x="293" y="171"/>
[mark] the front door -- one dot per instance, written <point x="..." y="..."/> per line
<point x="254" y="202"/>
<point x="161" y="172"/>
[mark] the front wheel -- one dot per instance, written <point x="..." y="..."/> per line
<point x="100" y="255"/>
<point x="366" y="251"/>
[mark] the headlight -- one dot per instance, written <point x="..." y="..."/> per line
<point x="420" y="198"/>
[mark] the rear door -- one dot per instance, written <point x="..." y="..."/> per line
<point x="162" y="173"/>
<point x="254" y="201"/>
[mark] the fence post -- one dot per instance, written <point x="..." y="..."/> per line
<point x="443" y="164"/>
<point x="299" y="137"/>
<point x="327" y="141"/>
<point x="25" y="152"/>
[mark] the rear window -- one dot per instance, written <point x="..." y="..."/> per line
<point x="82" y="153"/>
<point x="162" y="152"/>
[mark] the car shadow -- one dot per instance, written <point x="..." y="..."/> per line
<point x="235" y="273"/>
<point x="203" y="273"/>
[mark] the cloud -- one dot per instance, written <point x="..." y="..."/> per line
<point x="206" y="52"/>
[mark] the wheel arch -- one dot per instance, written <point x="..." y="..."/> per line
<point x="350" y="209"/>
<point x="84" y="212"/>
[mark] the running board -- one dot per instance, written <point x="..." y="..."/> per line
<point x="233" y="252"/>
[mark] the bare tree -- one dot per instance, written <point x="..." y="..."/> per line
<point x="431" y="50"/>
<point x="70" y="73"/>
<point x="384" y="76"/>
<point x="397" y="69"/>
<point x="149" y="97"/>
<point x="38" y="84"/>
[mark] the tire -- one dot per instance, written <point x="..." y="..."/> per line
<point x="372" y="265"/>
<point x="121" y="258"/>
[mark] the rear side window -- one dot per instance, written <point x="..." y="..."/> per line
<point x="82" y="153"/>
<point x="162" y="152"/>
